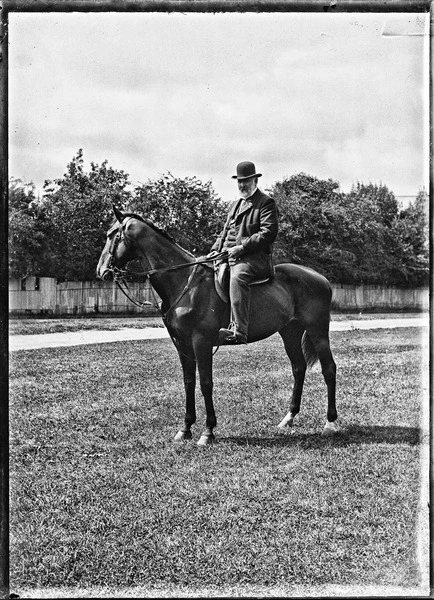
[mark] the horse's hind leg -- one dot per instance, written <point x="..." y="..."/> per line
<point x="189" y="371"/>
<point x="291" y="336"/>
<point x="321" y="343"/>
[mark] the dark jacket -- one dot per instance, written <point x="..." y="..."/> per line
<point x="256" y="229"/>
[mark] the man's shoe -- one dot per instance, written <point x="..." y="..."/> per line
<point x="232" y="336"/>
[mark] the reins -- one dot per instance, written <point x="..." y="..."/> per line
<point x="200" y="261"/>
<point x="120" y="281"/>
<point x="118" y="277"/>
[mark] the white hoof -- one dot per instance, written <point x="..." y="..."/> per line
<point x="288" y="421"/>
<point x="205" y="440"/>
<point x="329" y="428"/>
<point x="182" y="436"/>
<point x="286" y="429"/>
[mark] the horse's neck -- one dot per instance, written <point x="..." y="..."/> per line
<point x="160" y="252"/>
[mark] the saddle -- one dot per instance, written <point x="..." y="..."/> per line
<point x="221" y="281"/>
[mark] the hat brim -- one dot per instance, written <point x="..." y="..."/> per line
<point x="248" y="176"/>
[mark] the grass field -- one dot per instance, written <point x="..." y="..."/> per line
<point x="31" y="326"/>
<point x="103" y="503"/>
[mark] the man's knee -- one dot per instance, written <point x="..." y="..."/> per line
<point x="242" y="274"/>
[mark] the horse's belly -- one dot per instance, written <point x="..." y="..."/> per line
<point x="271" y="308"/>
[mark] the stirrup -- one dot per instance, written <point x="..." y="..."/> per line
<point x="231" y="335"/>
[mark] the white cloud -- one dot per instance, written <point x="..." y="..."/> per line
<point x="196" y="93"/>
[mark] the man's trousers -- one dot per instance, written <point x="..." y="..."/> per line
<point x="241" y="276"/>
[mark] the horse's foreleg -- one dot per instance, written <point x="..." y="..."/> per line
<point x="203" y="352"/>
<point x="189" y="371"/>
<point x="291" y="336"/>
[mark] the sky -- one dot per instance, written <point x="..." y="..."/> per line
<point x="334" y="95"/>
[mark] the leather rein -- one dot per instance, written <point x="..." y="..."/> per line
<point x="118" y="274"/>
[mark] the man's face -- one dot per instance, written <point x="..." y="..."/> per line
<point x="247" y="186"/>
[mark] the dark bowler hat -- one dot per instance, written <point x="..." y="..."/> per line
<point x="245" y="170"/>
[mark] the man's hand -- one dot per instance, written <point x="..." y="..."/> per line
<point x="236" y="251"/>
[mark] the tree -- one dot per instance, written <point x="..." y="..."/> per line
<point x="412" y="227"/>
<point x="358" y="237"/>
<point x="379" y="199"/>
<point x="27" y="244"/>
<point x="63" y="233"/>
<point x="372" y="210"/>
<point x="77" y="213"/>
<point x="186" y="208"/>
<point x="394" y="240"/>
<point x="313" y="225"/>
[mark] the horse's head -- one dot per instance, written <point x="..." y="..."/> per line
<point x="117" y="251"/>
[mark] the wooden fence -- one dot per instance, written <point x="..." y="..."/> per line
<point x="43" y="295"/>
<point x="378" y="297"/>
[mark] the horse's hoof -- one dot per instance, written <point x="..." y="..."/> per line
<point x="329" y="428"/>
<point x="284" y="424"/>
<point x="183" y="436"/>
<point x="206" y="440"/>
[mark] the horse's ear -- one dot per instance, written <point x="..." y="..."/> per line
<point x="119" y="216"/>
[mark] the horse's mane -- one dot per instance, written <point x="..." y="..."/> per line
<point x="151" y="224"/>
<point x="155" y="228"/>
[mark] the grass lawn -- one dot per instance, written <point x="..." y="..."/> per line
<point x="30" y="326"/>
<point x="103" y="501"/>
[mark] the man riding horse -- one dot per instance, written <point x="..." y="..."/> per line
<point x="296" y="303"/>
<point x="248" y="235"/>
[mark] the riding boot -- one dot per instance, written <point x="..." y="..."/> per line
<point x="231" y="335"/>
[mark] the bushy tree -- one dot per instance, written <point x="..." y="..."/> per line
<point x="63" y="233"/>
<point x="394" y="252"/>
<point x="360" y="237"/>
<point x="314" y="226"/>
<point x="413" y="229"/>
<point x="372" y="211"/>
<point x="78" y="211"/>
<point x="27" y="244"/>
<point x="186" y="208"/>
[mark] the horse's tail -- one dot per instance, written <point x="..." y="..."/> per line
<point x="310" y="354"/>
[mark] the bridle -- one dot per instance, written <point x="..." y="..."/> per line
<point x="119" y="279"/>
<point x="111" y="252"/>
<point x="119" y="274"/>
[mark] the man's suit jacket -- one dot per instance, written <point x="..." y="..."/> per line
<point x="256" y="229"/>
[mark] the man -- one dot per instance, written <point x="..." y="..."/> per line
<point x="249" y="232"/>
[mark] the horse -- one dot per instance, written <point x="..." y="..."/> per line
<point x="295" y="302"/>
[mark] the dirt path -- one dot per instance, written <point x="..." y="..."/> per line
<point x="78" y="338"/>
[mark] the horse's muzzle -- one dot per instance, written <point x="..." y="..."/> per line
<point x="105" y="275"/>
